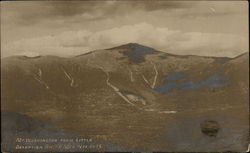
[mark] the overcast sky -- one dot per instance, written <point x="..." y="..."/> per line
<point x="63" y="28"/>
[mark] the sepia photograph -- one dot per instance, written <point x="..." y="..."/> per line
<point x="124" y="76"/>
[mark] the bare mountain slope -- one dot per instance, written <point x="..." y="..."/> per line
<point x="132" y="93"/>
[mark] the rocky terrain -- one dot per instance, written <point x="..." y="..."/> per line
<point x="134" y="96"/>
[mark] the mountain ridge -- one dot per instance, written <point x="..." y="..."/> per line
<point x="128" y="46"/>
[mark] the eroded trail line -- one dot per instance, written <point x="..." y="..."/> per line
<point x="40" y="72"/>
<point x="156" y="75"/>
<point x="131" y="75"/>
<point x="160" y="111"/>
<point x="117" y="91"/>
<point x="38" y="78"/>
<point x="144" y="78"/>
<point x="41" y="82"/>
<point x="69" y="77"/>
<point x="167" y="112"/>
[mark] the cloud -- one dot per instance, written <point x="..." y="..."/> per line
<point x="34" y="12"/>
<point x="173" y="41"/>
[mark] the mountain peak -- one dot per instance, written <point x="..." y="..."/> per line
<point x="135" y="52"/>
<point x="133" y="46"/>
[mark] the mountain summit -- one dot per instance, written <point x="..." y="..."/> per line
<point x="132" y="46"/>
<point x="135" y="52"/>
